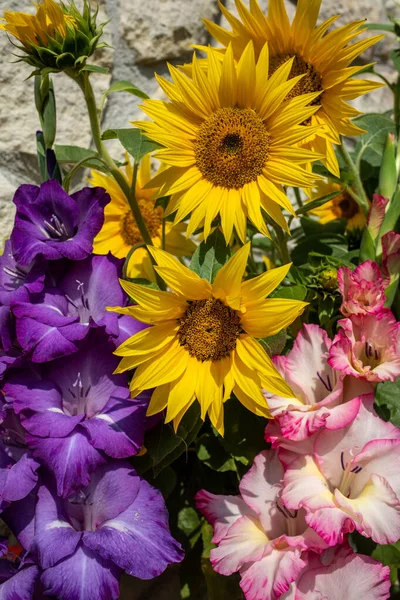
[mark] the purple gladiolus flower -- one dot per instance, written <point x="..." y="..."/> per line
<point x="17" y="282"/>
<point x="52" y="224"/>
<point x="75" y="411"/>
<point x="17" y="578"/>
<point x="18" y="468"/>
<point x="52" y="323"/>
<point x="117" y="522"/>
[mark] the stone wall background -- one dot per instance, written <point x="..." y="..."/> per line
<point x="144" y="35"/>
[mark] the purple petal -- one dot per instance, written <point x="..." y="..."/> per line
<point x="7" y="328"/>
<point x="20" y="517"/>
<point x="138" y="540"/>
<point x="15" y="281"/>
<point x="119" y="428"/>
<point x="44" y="341"/>
<point x="55" y="537"/>
<point x="17" y="480"/>
<point x="82" y="576"/>
<point x="127" y="327"/>
<point x="21" y="585"/>
<point x="72" y="459"/>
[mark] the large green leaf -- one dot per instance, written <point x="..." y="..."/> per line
<point x="389" y="555"/>
<point x="210" y="256"/>
<point x="371" y="144"/>
<point x="75" y="154"/>
<point x="317" y="203"/>
<point x="164" y="446"/>
<point x="387" y="399"/>
<point x="133" y="140"/>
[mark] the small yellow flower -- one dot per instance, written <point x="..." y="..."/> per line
<point x="230" y="142"/>
<point x="342" y="206"/>
<point x="120" y="232"/>
<point x="324" y="59"/>
<point x="201" y="340"/>
<point x="57" y="36"/>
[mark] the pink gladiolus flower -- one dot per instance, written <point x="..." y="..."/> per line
<point x="368" y="346"/>
<point x="321" y="393"/>
<point x="350" y="481"/>
<point x="256" y="534"/>
<point x="376" y="215"/>
<point x="362" y="289"/>
<point x="390" y="256"/>
<point x="340" y="574"/>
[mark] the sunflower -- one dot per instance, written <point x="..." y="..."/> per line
<point x="120" y="232"/>
<point x="201" y="343"/>
<point x="229" y="142"/>
<point x="324" y="59"/>
<point x="342" y="206"/>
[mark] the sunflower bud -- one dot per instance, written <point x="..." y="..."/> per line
<point x="328" y="279"/>
<point x="57" y="37"/>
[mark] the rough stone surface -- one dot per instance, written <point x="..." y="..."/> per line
<point x="143" y="35"/>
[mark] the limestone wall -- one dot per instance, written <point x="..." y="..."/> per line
<point x="144" y="35"/>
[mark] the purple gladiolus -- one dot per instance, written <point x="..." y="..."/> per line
<point x="17" y="578"/>
<point x="52" y="322"/>
<point x="52" y="224"/>
<point x="75" y="411"/>
<point x="84" y="542"/>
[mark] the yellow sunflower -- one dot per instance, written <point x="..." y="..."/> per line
<point x="342" y="206"/>
<point x="229" y="142"/>
<point x="49" y="21"/>
<point x="201" y="343"/>
<point x="324" y="58"/>
<point x="120" y="232"/>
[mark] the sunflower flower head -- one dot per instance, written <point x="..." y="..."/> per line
<point x="323" y="57"/>
<point x="58" y="36"/>
<point x="229" y="142"/>
<point x="342" y="206"/>
<point x="201" y="343"/>
<point x="120" y="232"/>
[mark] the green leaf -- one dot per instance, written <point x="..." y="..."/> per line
<point x="371" y="144"/>
<point x="190" y="524"/>
<point x="41" y="155"/>
<point x="244" y="432"/>
<point x="390" y="27"/>
<point x="395" y="58"/>
<point x="275" y="344"/>
<point x="164" y="446"/>
<point x="95" y="69"/>
<point x="387" y="397"/>
<point x="49" y="117"/>
<point x="211" y="454"/>
<point x="133" y="140"/>
<point x="210" y="256"/>
<point x="367" y="248"/>
<point x="316" y="203"/>
<point x="219" y="586"/>
<point x="293" y="292"/>
<point x="326" y="308"/>
<point x="76" y="154"/>
<point x="389" y="555"/>
<point x="123" y="86"/>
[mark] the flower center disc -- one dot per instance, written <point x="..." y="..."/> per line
<point x="152" y="217"/>
<point x="345" y="206"/>
<point x="209" y="329"/>
<point x="312" y="82"/>
<point x="232" y="147"/>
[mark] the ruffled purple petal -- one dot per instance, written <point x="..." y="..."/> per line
<point x="72" y="459"/>
<point x="55" y="537"/>
<point x="21" y="585"/>
<point x="138" y="540"/>
<point x="20" y="517"/>
<point x="119" y="429"/>
<point x="18" y="479"/>
<point x="82" y="576"/>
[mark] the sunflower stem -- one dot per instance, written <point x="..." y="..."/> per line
<point x="360" y="196"/>
<point x="298" y="197"/>
<point x="83" y="81"/>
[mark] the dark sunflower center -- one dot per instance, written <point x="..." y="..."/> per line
<point x="209" y="329"/>
<point x="232" y="147"/>
<point x="152" y="217"/>
<point x="312" y="82"/>
<point x="345" y="207"/>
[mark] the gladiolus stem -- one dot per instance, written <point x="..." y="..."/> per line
<point x="360" y="197"/>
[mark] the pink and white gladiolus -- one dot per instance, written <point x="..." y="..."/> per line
<point x="362" y="290"/>
<point x="321" y="392"/>
<point x="368" y="347"/>
<point x="340" y="574"/>
<point x="256" y="535"/>
<point x="351" y="480"/>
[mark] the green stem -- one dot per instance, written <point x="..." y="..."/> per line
<point x="360" y="195"/>
<point x="396" y="107"/>
<point x="298" y="197"/>
<point x="129" y="191"/>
